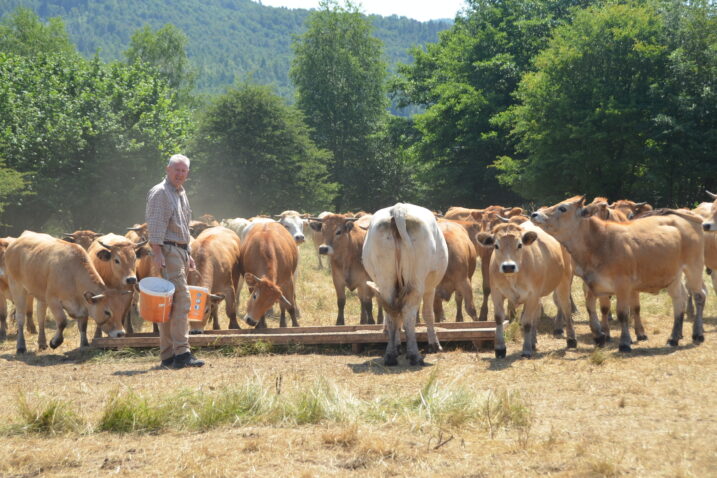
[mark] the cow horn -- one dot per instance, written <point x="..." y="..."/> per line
<point x="352" y="219"/>
<point x="140" y="244"/>
<point x="104" y="245"/>
<point x="98" y="297"/>
<point x="311" y="218"/>
<point x="135" y="229"/>
<point x="712" y="195"/>
<point x="502" y="218"/>
<point x="638" y="204"/>
<point x="216" y="297"/>
<point x="67" y="234"/>
<point x="285" y="300"/>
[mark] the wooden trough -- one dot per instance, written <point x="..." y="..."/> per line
<point x="479" y="333"/>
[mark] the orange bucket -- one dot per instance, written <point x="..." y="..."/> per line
<point x="155" y="299"/>
<point x="198" y="297"/>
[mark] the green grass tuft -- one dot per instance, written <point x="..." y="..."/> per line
<point x="49" y="417"/>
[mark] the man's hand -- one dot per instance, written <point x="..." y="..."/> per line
<point x="192" y="265"/>
<point x="158" y="257"/>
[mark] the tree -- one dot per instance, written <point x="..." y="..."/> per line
<point x="463" y="82"/>
<point x="254" y="155"/>
<point x="164" y="49"/>
<point x="22" y="33"/>
<point x="589" y="116"/>
<point x="340" y="79"/>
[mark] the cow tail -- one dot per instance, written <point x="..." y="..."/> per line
<point x="405" y="259"/>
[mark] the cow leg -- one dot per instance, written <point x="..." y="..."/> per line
<point x="499" y="312"/>
<point x="366" y="305"/>
<point x="293" y="308"/>
<point x="282" y="316"/>
<point x="465" y="289"/>
<point x="564" y="302"/>
<point x="98" y="332"/>
<point x="393" y="328"/>
<point x="604" y="302"/>
<point x="29" y="323"/>
<point x="82" y="327"/>
<point x="434" y="345"/>
<point x="438" y="311"/>
<point x="559" y="317"/>
<point x="61" y="321"/>
<point x="677" y="292"/>
<point x="341" y="303"/>
<point x="379" y="314"/>
<point x="528" y="321"/>
<point x="230" y="307"/>
<point x="41" y="313"/>
<point x="127" y="319"/>
<point x="459" y="306"/>
<point x="637" y="320"/>
<point x="598" y="335"/>
<point x="409" y="325"/>
<point x="485" y="274"/>
<point x="3" y="317"/>
<point x="214" y="314"/>
<point x="20" y="298"/>
<point x="623" y="314"/>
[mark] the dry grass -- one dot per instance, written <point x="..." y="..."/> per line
<point x="306" y="411"/>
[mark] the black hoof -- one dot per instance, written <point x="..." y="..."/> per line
<point x="390" y="360"/>
<point x="526" y="355"/>
<point x="698" y="339"/>
<point x="432" y="349"/>
<point x="557" y="333"/>
<point x="21" y="350"/>
<point x="54" y="343"/>
<point x="416" y="360"/>
<point x="196" y="332"/>
<point x="673" y="342"/>
<point x="572" y="344"/>
<point x="625" y="348"/>
<point x="641" y="338"/>
<point x="499" y="353"/>
<point x="600" y="341"/>
<point x="608" y="339"/>
<point x="42" y="346"/>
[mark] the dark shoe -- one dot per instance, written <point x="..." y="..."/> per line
<point x="168" y="362"/>
<point x="186" y="360"/>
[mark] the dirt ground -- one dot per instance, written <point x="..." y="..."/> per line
<point x="649" y="413"/>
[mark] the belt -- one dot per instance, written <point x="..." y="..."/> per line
<point x="176" y="244"/>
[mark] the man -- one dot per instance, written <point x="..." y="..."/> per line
<point x="168" y="215"/>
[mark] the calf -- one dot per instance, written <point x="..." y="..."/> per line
<point x="406" y="256"/>
<point x="343" y="239"/>
<point x="84" y="237"/>
<point x="526" y="265"/>
<point x="60" y="275"/>
<point x="269" y="258"/>
<point x="623" y="259"/>
<point x="216" y="255"/>
<point x="460" y="269"/>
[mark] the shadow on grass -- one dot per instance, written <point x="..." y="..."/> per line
<point x="375" y="366"/>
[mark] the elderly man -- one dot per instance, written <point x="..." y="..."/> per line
<point x="168" y="215"/>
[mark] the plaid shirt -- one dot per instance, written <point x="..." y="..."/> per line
<point x="168" y="214"/>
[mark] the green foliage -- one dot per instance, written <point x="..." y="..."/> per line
<point x="131" y="413"/>
<point x="254" y="155"/>
<point x="22" y="33"/>
<point x="340" y="78"/>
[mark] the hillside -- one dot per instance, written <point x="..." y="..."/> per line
<point x="228" y="39"/>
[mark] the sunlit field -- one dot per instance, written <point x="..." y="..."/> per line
<point x="310" y="411"/>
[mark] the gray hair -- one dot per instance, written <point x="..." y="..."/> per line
<point x="178" y="158"/>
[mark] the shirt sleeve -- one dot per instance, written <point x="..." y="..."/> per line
<point x="157" y="215"/>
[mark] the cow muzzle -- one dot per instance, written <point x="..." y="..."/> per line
<point x="115" y="334"/>
<point x="509" y="267"/>
<point x="250" y="321"/>
<point x="326" y="250"/>
<point x="708" y="226"/>
<point x="131" y="280"/>
<point x="299" y="238"/>
<point x="537" y="217"/>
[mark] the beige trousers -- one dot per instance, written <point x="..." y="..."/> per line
<point x="174" y="334"/>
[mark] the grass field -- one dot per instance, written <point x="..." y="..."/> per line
<point x="303" y="411"/>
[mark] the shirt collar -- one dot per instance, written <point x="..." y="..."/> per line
<point x="170" y="185"/>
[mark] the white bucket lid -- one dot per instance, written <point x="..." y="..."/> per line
<point x="156" y="286"/>
<point x="200" y="289"/>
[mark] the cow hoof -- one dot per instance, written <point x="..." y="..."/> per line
<point x="608" y="339"/>
<point x="42" y="346"/>
<point x="433" y="348"/>
<point x="390" y="360"/>
<point x="526" y="355"/>
<point x="196" y="332"/>
<point x="625" y="348"/>
<point x="641" y="338"/>
<point x="557" y="333"/>
<point x="416" y="360"/>
<point x="21" y="350"/>
<point x="698" y="339"/>
<point x="572" y="343"/>
<point x="500" y="353"/>
<point x="3" y="336"/>
<point x="600" y="341"/>
<point x="673" y="342"/>
<point x="54" y="343"/>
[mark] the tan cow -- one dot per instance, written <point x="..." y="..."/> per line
<point x="83" y="237"/>
<point x="708" y="212"/>
<point x="526" y="265"/>
<point x="343" y="239"/>
<point x="216" y="255"/>
<point x="461" y="266"/>
<point x="623" y="259"/>
<point x="5" y="295"/>
<point x="318" y="238"/>
<point x="60" y="275"/>
<point x="269" y="257"/>
<point x="145" y="268"/>
<point x="630" y="208"/>
<point x="600" y="208"/>
<point x="464" y="213"/>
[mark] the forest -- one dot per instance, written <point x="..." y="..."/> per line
<point x="515" y="102"/>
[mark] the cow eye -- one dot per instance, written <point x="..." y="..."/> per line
<point x="338" y="233"/>
<point x="108" y="313"/>
<point x="562" y="209"/>
<point x="496" y="246"/>
<point x="253" y="296"/>
<point x="117" y="261"/>
<point x="520" y="245"/>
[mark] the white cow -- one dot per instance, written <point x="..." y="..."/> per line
<point x="252" y="221"/>
<point x="236" y="224"/>
<point x="294" y="223"/>
<point x="406" y="256"/>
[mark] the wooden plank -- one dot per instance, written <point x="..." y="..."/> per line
<point x="307" y="338"/>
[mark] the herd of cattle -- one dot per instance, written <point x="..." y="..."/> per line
<point x="403" y="256"/>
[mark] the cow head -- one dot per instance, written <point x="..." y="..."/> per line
<point x="82" y="238"/>
<point x="508" y="241"/>
<point x="561" y="220"/>
<point x="710" y="224"/>
<point x="294" y="223"/>
<point x="121" y="256"/>
<point x="263" y="293"/>
<point x="197" y="227"/>
<point x="630" y="209"/>
<point x="335" y="230"/>
<point x="107" y="308"/>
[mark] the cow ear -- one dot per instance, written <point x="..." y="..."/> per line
<point x="584" y="212"/>
<point x="529" y="237"/>
<point x="485" y="239"/>
<point x="69" y="239"/>
<point x="250" y="279"/>
<point x="143" y="252"/>
<point x="104" y="255"/>
<point x="348" y="226"/>
<point x="315" y="225"/>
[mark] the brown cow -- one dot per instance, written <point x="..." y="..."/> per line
<point x="5" y="295"/>
<point x="60" y="275"/>
<point x="624" y="259"/>
<point x="461" y="266"/>
<point x="145" y="268"/>
<point x="630" y="208"/>
<point x="318" y="238"/>
<point x="599" y="207"/>
<point x="216" y="255"/>
<point x="527" y="264"/>
<point x="269" y="257"/>
<point x="83" y="237"/>
<point x="464" y="213"/>
<point x="343" y="239"/>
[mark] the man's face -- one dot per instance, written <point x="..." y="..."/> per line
<point x="177" y="173"/>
